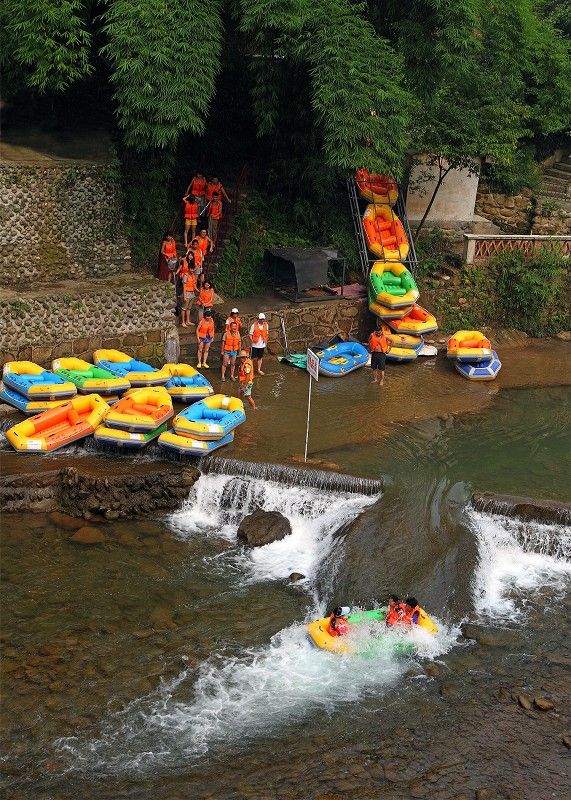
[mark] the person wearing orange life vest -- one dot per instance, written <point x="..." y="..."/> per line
<point x="396" y="610"/>
<point x="379" y="345"/>
<point x="215" y="187"/>
<point x="190" y="216"/>
<point x="231" y="342"/>
<point x="411" y="611"/>
<point x="196" y="260"/>
<point x="204" y="336"/>
<point x="214" y="212"/>
<point x="246" y="375"/>
<point x="205" y="299"/>
<point x="197" y="188"/>
<point x="234" y="318"/>
<point x="205" y="242"/>
<point x="188" y="279"/>
<point x="259" y="338"/>
<point x="169" y="259"/>
<point x="338" y="622"/>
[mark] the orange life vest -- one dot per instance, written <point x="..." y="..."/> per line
<point x="197" y="257"/>
<point x="261" y="331"/>
<point x="338" y="626"/>
<point x="215" y="209"/>
<point x="377" y="341"/>
<point x="169" y="249"/>
<point x="190" y="210"/>
<point x="205" y="328"/>
<point x="190" y="283"/>
<point x="396" y="614"/>
<point x="232" y="343"/>
<point x="237" y="320"/>
<point x="203" y="244"/>
<point x="246" y="371"/>
<point x="206" y="297"/>
<point x="213" y="188"/>
<point x="408" y="615"/>
<point x="198" y="187"/>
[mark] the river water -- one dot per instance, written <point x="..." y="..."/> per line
<point x="172" y="663"/>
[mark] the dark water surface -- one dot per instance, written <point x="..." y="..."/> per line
<point x="170" y="663"/>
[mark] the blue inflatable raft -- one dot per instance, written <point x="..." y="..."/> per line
<point x="29" y="407"/>
<point x="138" y="373"/>
<point x="210" y="419"/>
<point x="185" y="445"/>
<point x="36" y="383"/>
<point x="342" y="358"/>
<point x="483" y="371"/>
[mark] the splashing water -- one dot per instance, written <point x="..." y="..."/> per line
<point x="517" y="558"/>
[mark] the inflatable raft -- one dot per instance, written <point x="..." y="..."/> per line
<point x="385" y="234"/>
<point x="186" y="384"/>
<point x="319" y="633"/>
<point x="126" y="439"/>
<point x="403" y="339"/>
<point x="392" y="285"/>
<point x="377" y="188"/>
<point x="402" y="355"/>
<point x="28" y="407"/>
<point x="416" y="322"/>
<point x="186" y="445"/>
<point x="138" y="373"/>
<point x="210" y="419"/>
<point x="89" y="378"/>
<point x="342" y="358"/>
<point x="384" y="312"/>
<point x="141" y="410"/>
<point x="68" y="422"/>
<point x="482" y="371"/>
<point x="469" y="347"/>
<point x="36" y="383"/>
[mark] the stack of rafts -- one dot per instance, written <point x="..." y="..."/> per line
<point x="32" y="389"/>
<point x="204" y="426"/>
<point x="472" y="355"/>
<point x="391" y="287"/>
<point x="138" y="418"/>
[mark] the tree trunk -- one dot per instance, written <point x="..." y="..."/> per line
<point x="439" y="183"/>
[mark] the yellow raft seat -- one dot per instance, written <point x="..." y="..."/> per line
<point x="469" y="347"/>
<point x="141" y="410"/>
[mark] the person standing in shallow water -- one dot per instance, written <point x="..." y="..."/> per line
<point x="379" y="345"/>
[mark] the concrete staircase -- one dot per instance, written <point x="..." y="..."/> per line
<point x="556" y="187"/>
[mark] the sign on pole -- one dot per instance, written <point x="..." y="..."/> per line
<point x="313" y="369"/>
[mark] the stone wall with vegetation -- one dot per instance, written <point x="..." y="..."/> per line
<point x="60" y="220"/>
<point x="512" y="213"/>
<point x="132" y="316"/>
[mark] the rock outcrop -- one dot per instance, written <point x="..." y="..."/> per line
<point x="263" y="527"/>
<point x="524" y="508"/>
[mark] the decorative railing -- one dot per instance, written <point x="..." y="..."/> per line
<point x="478" y="247"/>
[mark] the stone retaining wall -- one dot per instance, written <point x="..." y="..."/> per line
<point x="512" y="213"/>
<point x="62" y="322"/>
<point x="60" y="220"/>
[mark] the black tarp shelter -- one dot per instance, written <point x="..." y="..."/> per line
<point x="297" y="269"/>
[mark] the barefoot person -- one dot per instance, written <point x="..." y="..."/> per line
<point x="204" y="336"/>
<point x="229" y="350"/>
<point x="259" y="339"/>
<point x="246" y="373"/>
<point x="379" y="345"/>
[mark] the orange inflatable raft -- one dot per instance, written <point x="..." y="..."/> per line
<point x="141" y="410"/>
<point x="59" y="426"/>
<point x="416" y="322"/>
<point x="385" y="234"/>
<point x="469" y="347"/>
<point x="377" y="188"/>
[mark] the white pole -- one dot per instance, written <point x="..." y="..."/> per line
<point x="308" y="413"/>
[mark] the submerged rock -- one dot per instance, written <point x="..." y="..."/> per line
<point x="263" y="527"/>
<point x="66" y="521"/>
<point x="489" y="637"/>
<point x="88" y="535"/>
<point x="296" y="576"/>
<point x="543" y="703"/>
<point x="524" y="508"/>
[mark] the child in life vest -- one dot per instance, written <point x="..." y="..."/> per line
<point x="338" y="622"/>
<point x="246" y="375"/>
<point x="204" y="336"/>
<point x="230" y="348"/>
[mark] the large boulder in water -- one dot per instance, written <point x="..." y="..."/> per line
<point x="524" y="508"/>
<point x="263" y="527"/>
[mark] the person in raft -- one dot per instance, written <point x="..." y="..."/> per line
<point x="234" y="318"/>
<point x="205" y="299"/>
<point x="246" y="375"/>
<point x="338" y="622"/>
<point x="259" y="339"/>
<point x="190" y="217"/>
<point x="230" y="348"/>
<point x="197" y="188"/>
<point x="204" y="336"/>
<point x="407" y="613"/>
<point x="379" y="345"/>
<point x="396" y="610"/>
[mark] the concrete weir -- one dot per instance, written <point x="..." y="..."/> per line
<point x="524" y="508"/>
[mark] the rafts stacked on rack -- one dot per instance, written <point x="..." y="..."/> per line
<point x="472" y="355"/>
<point x="138" y="418"/>
<point x="205" y="426"/>
<point x="89" y="378"/>
<point x="32" y="389"/>
<point x="186" y="384"/>
<point x="71" y="420"/>
<point x="138" y="373"/>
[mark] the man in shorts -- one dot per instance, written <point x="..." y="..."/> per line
<point x="246" y="373"/>
<point x="259" y="339"/>
<point x="379" y="345"/>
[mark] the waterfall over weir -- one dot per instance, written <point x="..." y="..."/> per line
<point x="294" y="476"/>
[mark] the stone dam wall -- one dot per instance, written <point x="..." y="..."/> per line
<point x="60" y="220"/>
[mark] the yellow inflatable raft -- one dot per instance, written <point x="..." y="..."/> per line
<point x="392" y="284"/>
<point x="186" y="384"/>
<point x="211" y="418"/>
<point x="469" y="347"/>
<point x="141" y="410"/>
<point x="384" y="312"/>
<point x="89" y="378"/>
<point x="138" y="373"/>
<point x="385" y="234"/>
